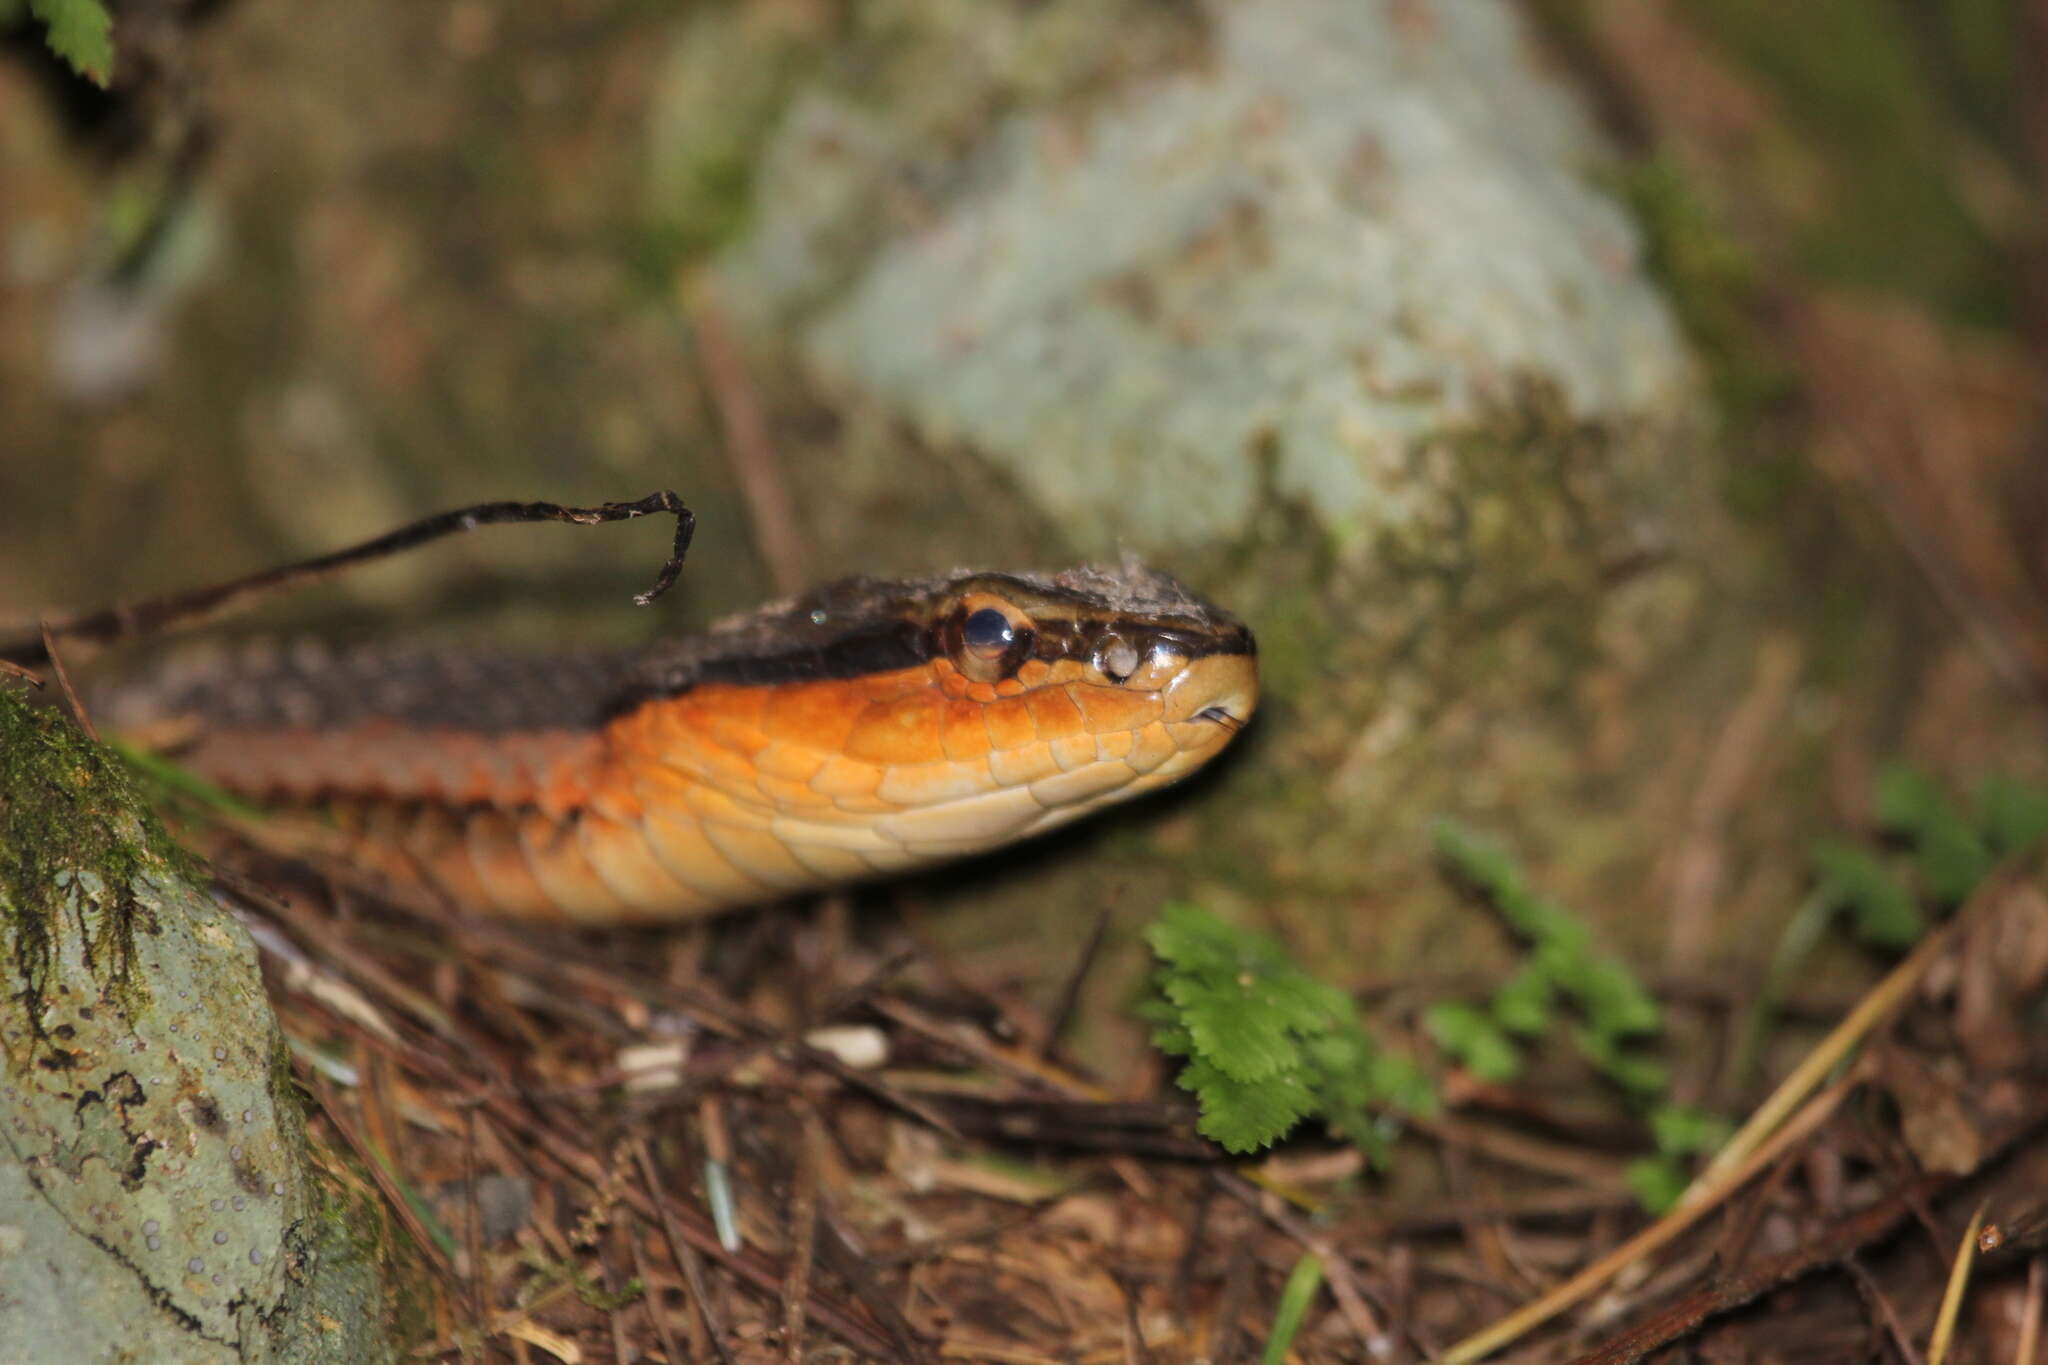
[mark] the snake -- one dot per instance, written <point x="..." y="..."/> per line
<point x="864" y="729"/>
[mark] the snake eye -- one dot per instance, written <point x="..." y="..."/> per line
<point x="987" y="633"/>
<point x="990" y="638"/>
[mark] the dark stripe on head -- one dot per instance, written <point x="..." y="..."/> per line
<point x="881" y="647"/>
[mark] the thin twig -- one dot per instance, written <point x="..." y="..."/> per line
<point x="1952" y="1297"/>
<point x="1070" y="993"/>
<point x="656" y="1309"/>
<point x="387" y="1184"/>
<point x="1861" y="1022"/>
<point x="2027" y="1352"/>
<point x="1731" y="1292"/>
<point x="680" y="1248"/>
<point x="1657" y="1235"/>
<point x="78" y="712"/>
<point x="1874" y="1295"/>
<point x="1850" y="1234"/>
<point x="183" y="608"/>
<point x="749" y="449"/>
<point x="1337" y="1268"/>
<point x="14" y="670"/>
<point x="803" y="1250"/>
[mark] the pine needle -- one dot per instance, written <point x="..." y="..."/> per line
<point x="1952" y="1300"/>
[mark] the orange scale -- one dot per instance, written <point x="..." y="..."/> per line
<point x="894" y="683"/>
<point x="1151" y="746"/>
<point x="703" y="761"/>
<point x="839" y="776"/>
<point x="982" y="692"/>
<point x="437" y="843"/>
<point x="651" y="726"/>
<point x="786" y="794"/>
<point x="739" y="735"/>
<point x="1009" y="723"/>
<point x="499" y="772"/>
<point x="931" y="784"/>
<point x="814" y="715"/>
<point x="963" y="732"/>
<point x="465" y="776"/>
<point x="561" y="792"/>
<point x="555" y="857"/>
<point x="1053" y="712"/>
<point x="1115" y="708"/>
<point x="612" y="795"/>
<point x="367" y="761"/>
<point x="788" y="761"/>
<point x="499" y="863"/>
<point x="1009" y="687"/>
<point x="739" y="805"/>
<point x="864" y="805"/>
<point x="619" y="854"/>
<point x="906" y="731"/>
<point x="1016" y="767"/>
<point x="1114" y="743"/>
<point x="1073" y="751"/>
<point x="731" y="701"/>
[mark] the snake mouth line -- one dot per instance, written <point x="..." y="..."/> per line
<point x="1231" y="724"/>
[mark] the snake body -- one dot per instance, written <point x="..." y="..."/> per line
<point x="863" y="729"/>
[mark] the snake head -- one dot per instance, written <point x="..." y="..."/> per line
<point x="900" y="722"/>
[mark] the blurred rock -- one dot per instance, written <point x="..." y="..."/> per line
<point x="1349" y="231"/>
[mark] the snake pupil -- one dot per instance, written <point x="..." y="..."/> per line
<point x="987" y="631"/>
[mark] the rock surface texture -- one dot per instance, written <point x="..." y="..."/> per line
<point x="156" y="1203"/>
<point x="1350" y="230"/>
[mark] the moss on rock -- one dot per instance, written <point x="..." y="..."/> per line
<point x="157" y="1202"/>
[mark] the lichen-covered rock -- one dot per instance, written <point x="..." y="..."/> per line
<point x="156" y="1203"/>
<point x="1350" y="230"/>
<point x="1331" y="305"/>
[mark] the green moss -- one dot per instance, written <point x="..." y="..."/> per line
<point x="1712" y="281"/>
<point x="73" y="829"/>
<point x="1905" y="112"/>
<point x="369" y="1287"/>
<point x="729" y="77"/>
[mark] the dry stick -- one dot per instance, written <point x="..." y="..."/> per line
<point x="1685" y="1316"/>
<point x="803" y="1250"/>
<point x="655" y="1308"/>
<point x="852" y="1265"/>
<point x="159" y="613"/>
<point x="680" y="1248"/>
<point x="1651" y="1238"/>
<point x="387" y="1184"/>
<point x="1871" y="1011"/>
<point x="1136" y="1350"/>
<point x="1747" y="1151"/>
<point x="1874" y="1296"/>
<point x="473" y="1232"/>
<point x="1337" y="1268"/>
<point x="1952" y="1298"/>
<point x="15" y="670"/>
<point x="2030" y="1317"/>
<point x="748" y="448"/>
<point x="753" y="1268"/>
<point x="71" y="700"/>
<point x="1070" y="992"/>
<point x="1856" y="1231"/>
